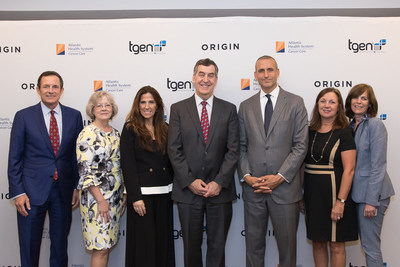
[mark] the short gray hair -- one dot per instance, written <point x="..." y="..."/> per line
<point x="94" y="98"/>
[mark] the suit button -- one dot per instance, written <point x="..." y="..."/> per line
<point x="202" y="168"/>
<point x="163" y="169"/>
<point x="205" y="153"/>
<point x="150" y="170"/>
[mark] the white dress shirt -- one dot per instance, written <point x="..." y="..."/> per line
<point x="57" y="115"/>
<point x="208" y="106"/>
<point x="264" y="99"/>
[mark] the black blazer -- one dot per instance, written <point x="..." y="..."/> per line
<point x="141" y="167"/>
<point x="192" y="159"/>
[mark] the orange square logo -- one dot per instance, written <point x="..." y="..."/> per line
<point x="60" y="49"/>
<point x="98" y="86"/>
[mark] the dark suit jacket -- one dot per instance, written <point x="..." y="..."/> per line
<point x="282" y="150"/>
<point x="192" y="159"/>
<point x="31" y="162"/>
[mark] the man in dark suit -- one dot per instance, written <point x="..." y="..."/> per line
<point x="203" y="143"/>
<point x="273" y="144"/>
<point x="42" y="171"/>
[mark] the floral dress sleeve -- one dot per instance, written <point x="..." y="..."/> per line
<point x="89" y="153"/>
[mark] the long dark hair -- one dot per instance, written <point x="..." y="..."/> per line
<point x="340" y="120"/>
<point x="136" y="121"/>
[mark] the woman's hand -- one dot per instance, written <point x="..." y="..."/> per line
<point x="337" y="211"/>
<point x="369" y="211"/>
<point x="139" y="207"/>
<point x="123" y="204"/>
<point x="103" y="210"/>
<point x="302" y="206"/>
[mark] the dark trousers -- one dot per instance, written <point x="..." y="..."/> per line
<point x="149" y="238"/>
<point x="218" y="220"/>
<point x="30" y="230"/>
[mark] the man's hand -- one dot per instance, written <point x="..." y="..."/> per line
<point x="265" y="184"/>
<point x="75" y="199"/>
<point x="261" y="186"/>
<point x="213" y="189"/>
<point x="258" y="183"/>
<point x="198" y="187"/>
<point x="20" y="203"/>
<point x="250" y="180"/>
<point x="273" y="181"/>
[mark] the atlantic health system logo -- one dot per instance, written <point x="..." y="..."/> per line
<point x="60" y="49"/>
<point x="98" y="86"/>
<point x="293" y="47"/>
<point x="113" y="86"/>
<point x="246" y="84"/>
<point x="73" y="49"/>
<point x="280" y="47"/>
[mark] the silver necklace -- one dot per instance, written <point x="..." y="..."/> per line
<point x="323" y="149"/>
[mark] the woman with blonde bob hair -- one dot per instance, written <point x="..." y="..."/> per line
<point x="100" y="184"/>
<point x="148" y="177"/>
<point x="329" y="168"/>
<point x="372" y="187"/>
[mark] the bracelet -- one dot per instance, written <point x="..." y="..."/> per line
<point x="341" y="200"/>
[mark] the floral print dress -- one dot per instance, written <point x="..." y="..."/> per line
<point x="98" y="157"/>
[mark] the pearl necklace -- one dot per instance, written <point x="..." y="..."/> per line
<point x="323" y="149"/>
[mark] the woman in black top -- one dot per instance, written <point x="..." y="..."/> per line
<point x="329" y="167"/>
<point x="148" y="179"/>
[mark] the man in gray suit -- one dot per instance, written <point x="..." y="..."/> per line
<point x="273" y="144"/>
<point x="203" y="146"/>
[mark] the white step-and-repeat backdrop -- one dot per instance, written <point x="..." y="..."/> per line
<point x="121" y="56"/>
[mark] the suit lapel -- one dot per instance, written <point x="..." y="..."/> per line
<point x="65" y="121"/>
<point x="256" y="108"/>
<point x="194" y="115"/>
<point x="360" y="130"/>
<point x="278" y="110"/>
<point x="38" y="116"/>
<point x="215" y="117"/>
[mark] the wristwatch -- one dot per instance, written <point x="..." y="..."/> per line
<point x="341" y="200"/>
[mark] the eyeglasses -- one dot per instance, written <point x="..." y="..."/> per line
<point x="107" y="105"/>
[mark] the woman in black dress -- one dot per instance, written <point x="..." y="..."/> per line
<point x="329" y="169"/>
<point x="148" y="179"/>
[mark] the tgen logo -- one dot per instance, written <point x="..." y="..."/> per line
<point x="179" y="85"/>
<point x="367" y="47"/>
<point x="147" y="48"/>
